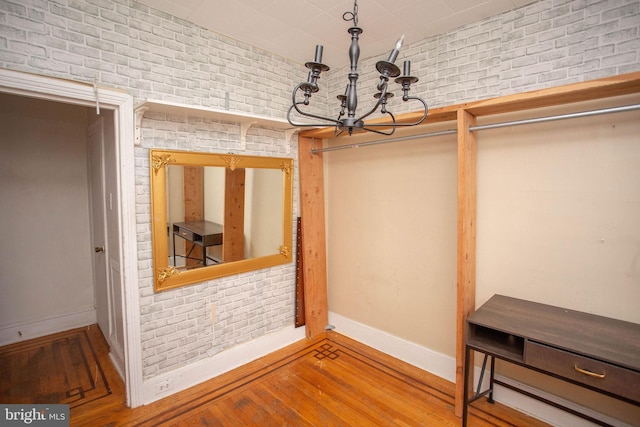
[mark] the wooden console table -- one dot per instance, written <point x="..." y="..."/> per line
<point x="595" y="352"/>
<point x="201" y="233"/>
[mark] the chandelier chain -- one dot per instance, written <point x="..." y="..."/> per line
<point x="352" y="16"/>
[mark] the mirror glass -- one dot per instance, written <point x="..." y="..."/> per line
<point x="215" y="215"/>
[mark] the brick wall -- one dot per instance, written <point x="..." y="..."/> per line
<point x="176" y="325"/>
<point x="547" y="43"/>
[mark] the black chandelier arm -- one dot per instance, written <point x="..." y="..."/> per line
<point x="294" y="104"/>
<point x="380" y="132"/>
<point x="392" y="124"/>
<point x="293" y="96"/>
<point x="396" y="124"/>
<point x="393" y="129"/>
<point x="377" y="104"/>
<point x="292" y="123"/>
<point x="424" y="116"/>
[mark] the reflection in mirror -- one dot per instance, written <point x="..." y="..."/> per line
<point x="202" y="213"/>
<point x="216" y="215"/>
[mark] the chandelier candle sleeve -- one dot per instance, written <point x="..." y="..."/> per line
<point x="318" y="53"/>
<point x="396" y="50"/>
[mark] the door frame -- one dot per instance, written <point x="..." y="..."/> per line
<point x="70" y="92"/>
<point x="100" y="233"/>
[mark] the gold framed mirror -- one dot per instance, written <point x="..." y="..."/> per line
<point x="214" y="215"/>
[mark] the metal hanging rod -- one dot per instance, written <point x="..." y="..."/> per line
<point x="557" y="117"/>
<point x="385" y="141"/>
<point x="487" y="126"/>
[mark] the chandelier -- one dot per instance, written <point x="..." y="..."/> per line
<point x="347" y="118"/>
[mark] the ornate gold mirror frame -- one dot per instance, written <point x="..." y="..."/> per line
<point x="167" y="276"/>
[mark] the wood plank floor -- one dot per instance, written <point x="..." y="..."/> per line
<point x="329" y="381"/>
<point x="59" y="368"/>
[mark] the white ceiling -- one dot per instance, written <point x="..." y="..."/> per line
<point x="292" y="28"/>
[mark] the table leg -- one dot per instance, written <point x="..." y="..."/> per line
<point x="491" y="376"/>
<point x="467" y="353"/>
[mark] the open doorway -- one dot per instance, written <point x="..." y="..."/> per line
<point x="54" y="253"/>
<point x="60" y="252"/>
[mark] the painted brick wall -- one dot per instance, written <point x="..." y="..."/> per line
<point x="547" y="43"/>
<point x="177" y="326"/>
<point x="123" y="44"/>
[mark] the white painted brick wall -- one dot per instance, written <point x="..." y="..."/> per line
<point x="547" y="43"/>
<point x="177" y="325"/>
<point x="124" y="44"/>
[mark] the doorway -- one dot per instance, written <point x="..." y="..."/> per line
<point x="122" y="265"/>
<point x="57" y="167"/>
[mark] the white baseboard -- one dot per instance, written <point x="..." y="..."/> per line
<point x="38" y="328"/>
<point x="117" y="359"/>
<point x="196" y="373"/>
<point x="444" y="366"/>
<point x="436" y="363"/>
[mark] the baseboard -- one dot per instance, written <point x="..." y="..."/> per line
<point x="41" y="327"/>
<point x="436" y="363"/>
<point x="181" y="379"/>
<point x="547" y="413"/>
<point x="117" y="359"/>
<point x="444" y="366"/>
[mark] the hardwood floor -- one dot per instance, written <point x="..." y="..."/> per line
<point x="330" y="381"/>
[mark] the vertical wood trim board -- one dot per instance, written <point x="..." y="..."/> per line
<point x="314" y="271"/>
<point x="299" y="277"/>
<point x="193" y="209"/>
<point x="466" y="263"/>
<point x="233" y="232"/>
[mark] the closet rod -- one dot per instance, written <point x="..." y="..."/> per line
<point x="487" y="126"/>
<point x="385" y="141"/>
<point x="557" y="117"/>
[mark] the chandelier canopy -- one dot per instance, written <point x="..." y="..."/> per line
<point x="347" y="118"/>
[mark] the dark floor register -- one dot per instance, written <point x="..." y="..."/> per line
<point x="592" y="351"/>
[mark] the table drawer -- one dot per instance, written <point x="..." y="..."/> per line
<point x="595" y="373"/>
<point x="185" y="234"/>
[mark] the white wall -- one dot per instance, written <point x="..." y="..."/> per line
<point x="46" y="251"/>
<point x="392" y="238"/>
<point x="263" y="221"/>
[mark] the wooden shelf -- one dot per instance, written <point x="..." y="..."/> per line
<point x="577" y="92"/>
<point x="245" y="120"/>
<point x="505" y="345"/>
<point x="212" y="113"/>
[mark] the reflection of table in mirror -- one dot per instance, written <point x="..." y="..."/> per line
<point x="201" y="233"/>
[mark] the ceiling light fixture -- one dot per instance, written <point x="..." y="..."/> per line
<point x="349" y="101"/>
